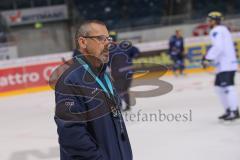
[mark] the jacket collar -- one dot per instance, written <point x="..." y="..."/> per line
<point x="99" y="71"/>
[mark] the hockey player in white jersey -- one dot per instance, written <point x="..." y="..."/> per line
<point x="222" y="54"/>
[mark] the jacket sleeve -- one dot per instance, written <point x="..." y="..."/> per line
<point x="75" y="140"/>
<point x="217" y="46"/>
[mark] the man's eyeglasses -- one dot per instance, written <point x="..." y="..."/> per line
<point x="100" y="38"/>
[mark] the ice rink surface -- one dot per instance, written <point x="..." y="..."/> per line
<point x="28" y="131"/>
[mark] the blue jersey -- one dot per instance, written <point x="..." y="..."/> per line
<point x="120" y="59"/>
<point x="176" y="45"/>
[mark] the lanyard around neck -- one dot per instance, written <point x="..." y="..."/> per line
<point x="109" y="84"/>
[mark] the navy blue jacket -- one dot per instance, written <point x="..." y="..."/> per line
<point x="89" y="123"/>
<point x="75" y="53"/>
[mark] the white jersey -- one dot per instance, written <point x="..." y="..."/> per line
<point x="222" y="52"/>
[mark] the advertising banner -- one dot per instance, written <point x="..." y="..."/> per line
<point x="32" y="15"/>
<point x="26" y="77"/>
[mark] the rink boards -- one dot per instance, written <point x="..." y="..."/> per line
<point x="31" y="74"/>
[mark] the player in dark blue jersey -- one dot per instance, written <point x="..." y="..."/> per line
<point x="176" y="52"/>
<point x="121" y="57"/>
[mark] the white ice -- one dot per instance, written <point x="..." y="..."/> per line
<point x="28" y="131"/>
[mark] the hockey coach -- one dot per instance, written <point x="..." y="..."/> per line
<point x="89" y="122"/>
